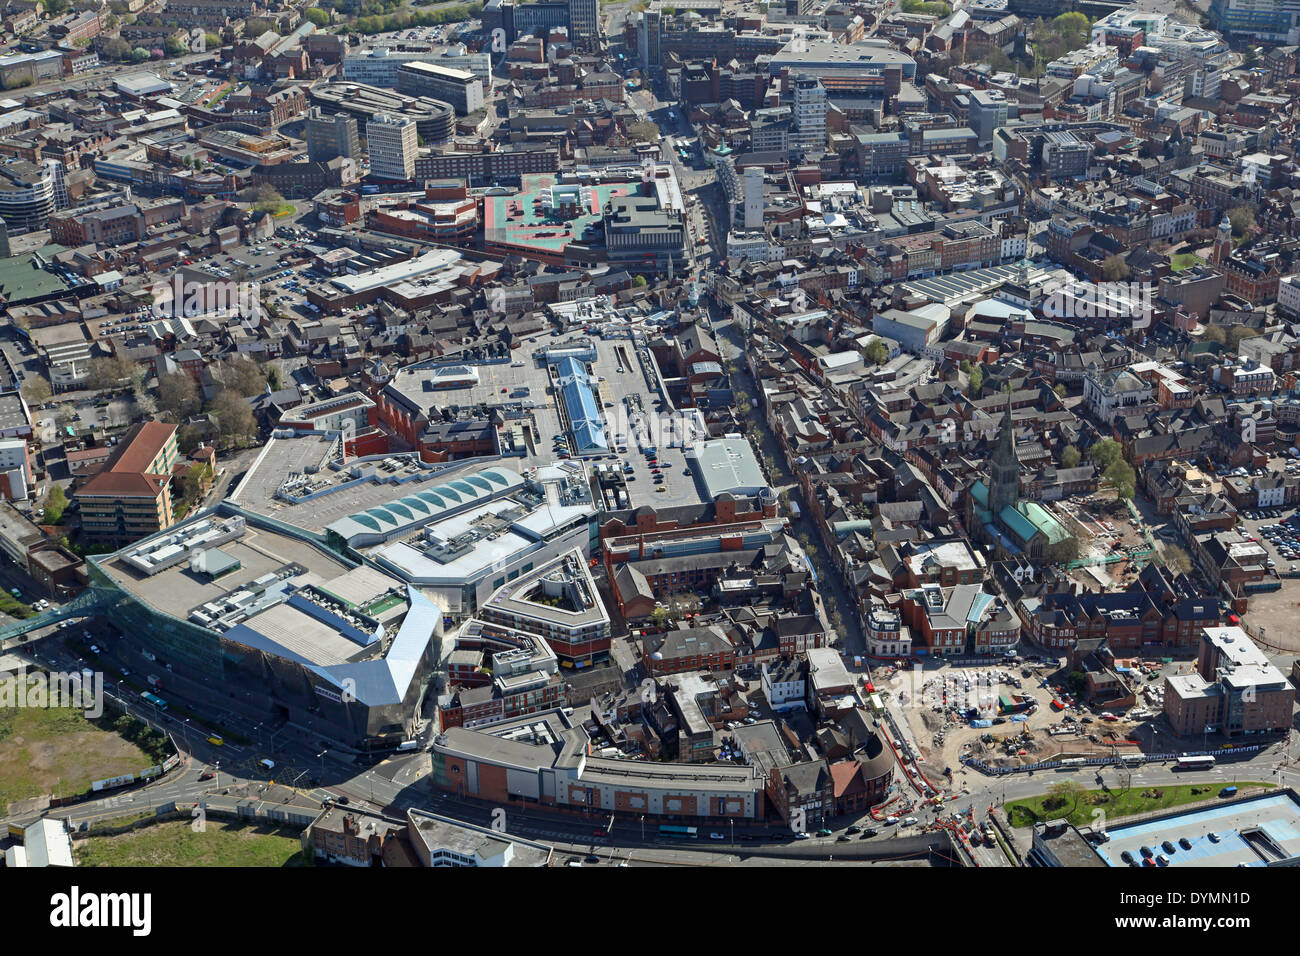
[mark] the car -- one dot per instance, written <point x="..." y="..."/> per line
<point x="206" y="775"/>
<point x="854" y="829"/>
<point x="592" y="858"/>
<point x="823" y="832"/>
<point x="1162" y="860"/>
<point x="1169" y="847"/>
<point x="869" y="832"/>
<point x="343" y="800"/>
<point x="910" y="821"/>
<point x="1127" y="857"/>
<point x="1146" y="851"/>
<point x="801" y="836"/>
<point x="1185" y="843"/>
<point x="843" y="838"/>
<point x="1214" y="837"/>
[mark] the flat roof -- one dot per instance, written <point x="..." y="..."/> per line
<point x="1255" y="831"/>
<point x="259" y="551"/>
<point x="728" y="466"/>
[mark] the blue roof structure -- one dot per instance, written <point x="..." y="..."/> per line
<point x="585" y="420"/>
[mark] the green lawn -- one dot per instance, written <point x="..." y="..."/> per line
<point x="1116" y="803"/>
<point x="48" y="751"/>
<point x="1185" y="260"/>
<point x="174" y="843"/>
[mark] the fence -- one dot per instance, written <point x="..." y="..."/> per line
<point x="1103" y="761"/>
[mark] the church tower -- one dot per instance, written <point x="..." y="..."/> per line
<point x="1004" y="468"/>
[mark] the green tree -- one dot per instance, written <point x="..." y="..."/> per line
<point x="643" y="132"/>
<point x="977" y="380"/>
<point x="1114" y="268"/>
<point x="317" y="16"/>
<point x="111" y="371"/>
<point x="174" y="47"/>
<point x="115" y="48"/>
<point x="1242" y="219"/>
<point x="211" y="41"/>
<point x="235" y="418"/>
<point x="1215" y="333"/>
<point x="243" y="375"/>
<point x="1070" y="457"/>
<point x="56" y="503"/>
<point x="179" y="395"/>
<point x="1122" y="478"/>
<point x="1236" y="334"/>
<point x="1177" y="559"/>
<point x="139" y="55"/>
<point x="37" y="390"/>
<point x="639" y="282"/>
<point x="1060" y="391"/>
<point x="877" y="350"/>
<point x="1066" y="550"/>
<point x="1105" y="453"/>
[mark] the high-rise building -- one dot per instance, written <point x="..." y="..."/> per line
<point x="30" y="193"/>
<point x="753" y="197"/>
<point x="392" y="142"/>
<point x="809" y="113"/>
<point x="1277" y="20"/>
<point x="461" y="88"/>
<point x="331" y="136"/>
<point x="987" y="111"/>
<point x="648" y="34"/>
<point x="584" y="21"/>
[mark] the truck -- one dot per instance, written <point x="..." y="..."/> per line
<point x="408" y="745"/>
<point x="154" y="682"/>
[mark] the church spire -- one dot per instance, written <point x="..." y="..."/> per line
<point x="1004" y="467"/>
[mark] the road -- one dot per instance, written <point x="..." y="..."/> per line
<point x="829" y="580"/>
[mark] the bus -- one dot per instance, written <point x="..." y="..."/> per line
<point x="155" y="700"/>
<point x="679" y="833"/>
<point x="1194" y="763"/>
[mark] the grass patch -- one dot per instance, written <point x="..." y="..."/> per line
<point x="1115" y="803"/>
<point x="1185" y="260"/>
<point x="175" y="843"/>
<point x="55" y="750"/>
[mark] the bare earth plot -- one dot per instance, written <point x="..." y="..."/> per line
<point x="176" y="843"/>
<point x="58" y="751"/>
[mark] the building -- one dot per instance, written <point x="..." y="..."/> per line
<point x="544" y="762"/>
<point x="1275" y="21"/>
<point x="392" y="142"/>
<point x="809" y="131"/>
<point x="30" y="193"/>
<point x="461" y="88"/>
<point x="331" y="136"/>
<point x="648" y="34"/>
<point x="130" y="498"/>
<point x="1234" y="691"/>
<point x="988" y="109"/>
<point x="261" y="619"/>
<point x="584" y="21"/>
<point x="442" y="841"/>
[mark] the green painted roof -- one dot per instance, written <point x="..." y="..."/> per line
<point x="1044" y="521"/>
